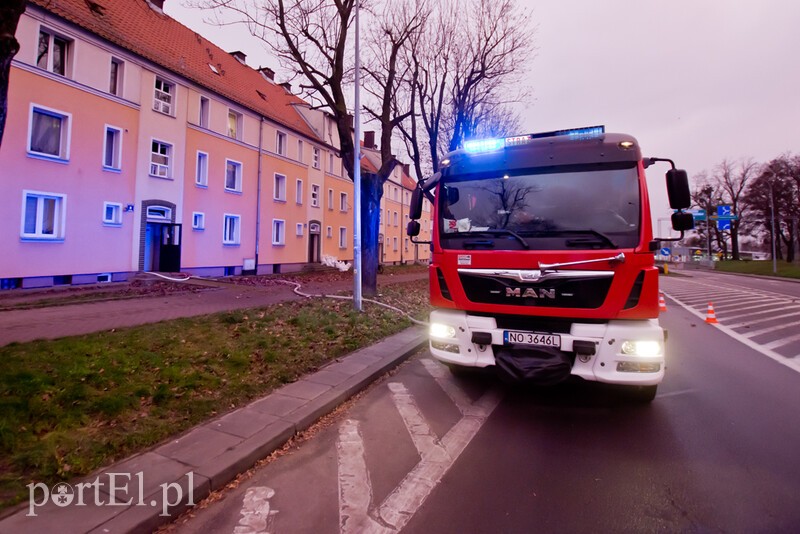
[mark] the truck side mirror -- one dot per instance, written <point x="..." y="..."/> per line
<point x="678" y="190"/>
<point x="412" y="230"/>
<point x="415" y="206"/>
<point x="682" y="221"/>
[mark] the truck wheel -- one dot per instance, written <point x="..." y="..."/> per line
<point x="642" y="394"/>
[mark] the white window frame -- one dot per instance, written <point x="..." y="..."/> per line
<point x="164" y="96"/>
<point x="299" y="229"/>
<point x="298" y="192"/>
<point x="315" y="157"/>
<point x="234" y="239"/>
<point x="237" y="176"/>
<point x="116" y="214"/>
<point x="281" y="142"/>
<point x="394" y="244"/>
<point x="342" y="237"/>
<point x="300" y="150"/>
<point x="396" y="223"/>
<point x="279" y="187"/>
<point x="330" y="199"/>
<point x="59" y="217"/>
<point x="158" y="213"/>
<point x="235" y="128"/>
<point x="330" y="163"/>
<point x="65" y="133"/>
<point x="116" y="157"/>
<point x="198" y="220"/>
<point x="278" y="232"/>
<point x="315" y="188"/>
<point x="158" y="167"/>
<point x="69" y="45"/>
<point x="343" y="202"/>
<point x="201" y="169"/>
<point x="116" y="80"/>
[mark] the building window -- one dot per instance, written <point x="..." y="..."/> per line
<point x="315" y="157"/>
<point x="115" y="77"/>
<point x="231" y="229"/>
<point x="159" y="213"/>
<point x="330" y="199"/>
<point x="201" y="172"/>
<point x="300" y="150"/>
<point x="279" y="192"/>
<point x="49" y="133"/>
<point x="329" y="232"/>
<point x="394" y="240"/>
<point x="205" y="106"/>
<point x="163" y="96"/>
<point x="342" y="201"/>
<point x="112" y="148"/>
<point x="233" y="176"/>
<point x="330" y="163"/>
<point x="278" y="232"/>
<point x="234" y="124"/>
<point x="43" y="215"/>
<point x="198" y="220"/>
<point x="280" y="143"/>
<point x="395" y="219"/>
<point x="299" y="229"/>
<point x="298" y="193"/>
<point x="342" y="237"/>
<point x="53" y="53"/>
<point x="160" y="156"/>
<point x="112" y="213"/>
<point x="315" y="196"/>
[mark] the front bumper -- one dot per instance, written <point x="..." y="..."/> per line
<point x="452" y="342"/>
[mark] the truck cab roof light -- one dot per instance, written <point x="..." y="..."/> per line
<point x="478" y="146"/>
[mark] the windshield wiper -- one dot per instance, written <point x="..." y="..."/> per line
<point x="501" y="231"/>
<point x="603" y="239"/>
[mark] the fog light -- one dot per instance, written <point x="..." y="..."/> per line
<point x="447" y="347"/>
<point x="645" y="349"/>
<point x="638" y="367"/>
<point x="442" y="331"/>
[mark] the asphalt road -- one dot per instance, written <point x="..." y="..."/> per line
<point x="717" y="451"/>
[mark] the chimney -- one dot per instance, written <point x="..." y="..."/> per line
<point x="369" y="139"/>
<point x="407" y="169"/>
<point x="240" y="56"/>
<point x="267" y="73"/>
<point x="287" y="86"/>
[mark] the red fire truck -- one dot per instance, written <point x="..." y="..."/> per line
<point x="542" y="262"/>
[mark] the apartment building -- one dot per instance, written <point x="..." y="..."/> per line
<point x="134" y="144"/>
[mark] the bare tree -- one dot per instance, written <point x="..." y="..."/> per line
<point x="10" y="13"/>
<point x="732" y="179"/>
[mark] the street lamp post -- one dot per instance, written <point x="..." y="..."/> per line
<point x="357" y="178"/>
<point x="772" y="205"/>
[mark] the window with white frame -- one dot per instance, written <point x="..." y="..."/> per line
<point x="330" y="199"/>
<point x="342" y="237"/>
<point x="49" y="133"/>
<point x="396" y="223"/>
<point x="233" y="176"/>
<point x="43" y="215"/>
<point x="330" y="163"/>
<point x="112" y="213"/>
<point x="299" y="229"/>
<point x="315" y="196"/>
<point x="280" y="143"/>
<point x="394" y="240"/>
<point x="278" y="232"/>
<point x="204" y="112"/>
<point x="300" y="150"/>
<point x="116" y="76"/>
<point x="315" y="157"/>
<point x="298" y="191"/>
<point x="163" y="96"/>
<point x="342" y="201"/>
<point x="160" y="159"/>
<point x="159" y="213"/>
<point x="329" y="232"/>
<point x="201" y="171"/>
<point x="231" y="230"/>
<point x="279" y="190"/>
<point x="54" y="52"/>
<point x="198" y="220"/>
<point x="112" y="148"/>
<point x="234" y="124"/>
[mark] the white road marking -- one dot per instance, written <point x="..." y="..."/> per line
<point x="355" y="488"/>
<point x="445" y="380"/>
<point x="767" y="330"/>
<point x="781" y="342"/>
<point x="257" y="517"/>
<point x="426" y="442"/>
<point x="765" y="319"/>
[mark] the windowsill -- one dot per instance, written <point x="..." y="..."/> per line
<point x="280" y="200"/>
<point x="230" y="244"/>
<point x="115" y="170"/>
<point x="47" y="157"/>
<point x="233" y="191"/>
<point x="161" y="177"/>
<point x="33" y="239"/>
<point x="279" y="244"/>
<point x="112" y="224"/>
<point x="196" y="229"/>
<point x="201" y="186"/>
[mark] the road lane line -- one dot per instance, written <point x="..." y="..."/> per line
<point x="766" y="319"/>
<point x="783" y="360"/>
<point x="781" y="342"/>
<point x="355" y="487"/>
<point x="425" y="440"/>
<point x="767" y="330"/>
<point x="257" y="517"/>
<point x="444" y="378"/>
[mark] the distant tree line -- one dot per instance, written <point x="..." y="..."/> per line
<point x="762" y="195"/>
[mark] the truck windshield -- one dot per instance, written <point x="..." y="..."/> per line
<point x="595" y="206"/>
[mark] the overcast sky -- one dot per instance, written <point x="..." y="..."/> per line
<point x="697" y="81"/>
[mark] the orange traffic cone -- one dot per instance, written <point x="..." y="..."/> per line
<point x="662" y="304"/>
<point x="711" y="317"/>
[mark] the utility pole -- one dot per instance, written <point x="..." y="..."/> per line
<point x="357" y="179"/>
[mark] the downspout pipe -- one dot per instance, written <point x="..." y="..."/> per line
<point x="258" y="191"/>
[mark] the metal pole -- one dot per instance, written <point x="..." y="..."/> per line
<point x="357" y="178"/>
<point x="772" y="204"/>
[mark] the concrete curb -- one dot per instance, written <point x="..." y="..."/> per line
<point x="143" y="492"/>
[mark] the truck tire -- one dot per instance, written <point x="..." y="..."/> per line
<point x="642" y="394"/>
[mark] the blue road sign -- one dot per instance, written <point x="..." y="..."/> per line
<point x="724" y="211"/>
<point x="723" y="224"/>
<point x="665" y="251"/>
<point x="699" y="215"/>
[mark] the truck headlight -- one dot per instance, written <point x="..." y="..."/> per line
<point x="442" y="331"/>
<point x="643" y="348"/>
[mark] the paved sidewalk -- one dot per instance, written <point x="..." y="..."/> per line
<point x="153" y="487"/>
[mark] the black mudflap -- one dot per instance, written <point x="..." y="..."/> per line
<point x="543" y="366"/>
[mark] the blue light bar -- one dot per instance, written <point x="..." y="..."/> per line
<point x="476" y="146"/>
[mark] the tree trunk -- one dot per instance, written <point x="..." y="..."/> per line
<point x="371" y="193"/>
<point x="10" y="13"/>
